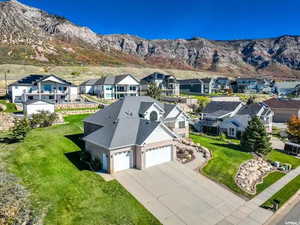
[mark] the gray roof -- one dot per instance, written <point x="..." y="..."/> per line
<point x="251" y="109"/>
<point x="89" y="82"/>
<point x="221" y="106"/>
<point x="122" y="123"/>
<point x="110" y="80"/>
<point x="190" y="81"/>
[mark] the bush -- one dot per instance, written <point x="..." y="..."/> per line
<point x="75" y="73"/>
<point x="20" y="129"/>
<point x="42" y="119"/>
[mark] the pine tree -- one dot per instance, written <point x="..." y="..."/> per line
<point x="20" y="129"/>
<point x="255" y="138"/>
<point x="153" y="91"/>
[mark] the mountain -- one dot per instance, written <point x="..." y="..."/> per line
<point x="32" y="36"/>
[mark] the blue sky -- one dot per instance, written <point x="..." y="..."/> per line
<point x="171" y="19"/>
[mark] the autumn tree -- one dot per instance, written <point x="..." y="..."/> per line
<point x="294" y="126"/>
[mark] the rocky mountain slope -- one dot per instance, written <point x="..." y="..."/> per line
<point x="31" y="36"/>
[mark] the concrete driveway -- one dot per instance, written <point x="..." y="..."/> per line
<point x="177" y="195"/>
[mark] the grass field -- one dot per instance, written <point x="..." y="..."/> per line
<point x="225" y="162"/>
<point x="285" y="193"/>
<point x="268" y="181"/>
<point x="48" y="163"/>
<point x="283" y="158"/>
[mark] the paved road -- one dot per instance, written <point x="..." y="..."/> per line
<point x="293" y="217"/>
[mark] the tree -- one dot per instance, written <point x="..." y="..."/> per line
<point x="251" y="100"/>
<point x="255" y="138"/>
<point x="153" y="91"/>
<point x="42" y="119"/>
<point x="20" y="129"/>
<point x="202" y="103"/>
<point x="294" y="127"/>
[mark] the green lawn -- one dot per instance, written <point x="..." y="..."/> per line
<point x="225" y="162"/>
<point x="275" y="155"/>
<point x="10" y="107"/>
<point x="76" y="109"/>
<point x="285" y="193"/>
<point x="72" y="195"/>
<point x="268" y="181"/>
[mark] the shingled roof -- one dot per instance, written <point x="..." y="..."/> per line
<point x="283" y="103"/>
<point x="124" y="117"/>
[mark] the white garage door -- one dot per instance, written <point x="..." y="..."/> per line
<point x="123" y="161"/>
<point x="158" y="156"/>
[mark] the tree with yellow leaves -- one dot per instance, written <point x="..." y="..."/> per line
<point x="294" y="126"/>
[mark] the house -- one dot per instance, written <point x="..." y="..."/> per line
<point x="199" y="86"/>
<point x="232" y="118"/>
<point x="134" y="132"/>
<point x="222" y="84"/>
<point x="214" y="113"/>
<point x="235" y="125"/>
<point x="87" y="87"/>
<point x="167" y="83"/>
<point x="246" y="85"/>
<point x="31" y="107"/>
<point x="285" y="88"/>
<point x="283" y="108"/>
<point x="112" y="87"/>
<point x="42" y="87"/>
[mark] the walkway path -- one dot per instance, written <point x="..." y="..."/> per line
<point x="250" y="213"/>
<point x="277" y="143"/>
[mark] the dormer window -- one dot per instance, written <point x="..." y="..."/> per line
<point x="153" y="116"/>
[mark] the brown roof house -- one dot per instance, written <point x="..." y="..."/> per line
<point x="134" y="132"/>
<point x="283" y="109"/>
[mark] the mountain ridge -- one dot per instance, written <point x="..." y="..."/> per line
<point x="32" y="36"/>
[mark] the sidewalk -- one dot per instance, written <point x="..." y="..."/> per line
<point x="251" y="213"/>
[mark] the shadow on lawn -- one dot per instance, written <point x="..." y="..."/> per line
<point x="75" y="157"/>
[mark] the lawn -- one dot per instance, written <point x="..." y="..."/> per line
<point x="285" y="193"/>
<point x="70" y="194"/>
<point x="10" y="107"/>
<point x="268" y="181"/>
<point x="225" y="162"/>
<point x="275" y="155"/>
<point x="227" y="158"/>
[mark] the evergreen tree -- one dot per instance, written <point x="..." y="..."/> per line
<point x="255" y="138"/>
<point x="20" y="129"/>
<point x="153" y="91"/>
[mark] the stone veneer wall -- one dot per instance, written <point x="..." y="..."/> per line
<point x="6" y="121"/>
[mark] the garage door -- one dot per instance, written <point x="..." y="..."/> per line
<point x="123" y="161"/>
<point x="158" y="156"/>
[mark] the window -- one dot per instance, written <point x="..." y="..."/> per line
<point x="120" y="88"/>
<point x="132" y="88"/>
<point x="231" y="132"/>
<point x="47" y="87"/>
<point x="181" y="124"/>
<point x="108" y="88"/>
<point x="153" y="116"/>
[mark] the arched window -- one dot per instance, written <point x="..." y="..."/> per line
<point x="153" y="116"/>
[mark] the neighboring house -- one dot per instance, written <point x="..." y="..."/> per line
<point x="232" y="118"/>
<point x="31" y="107"/>
<point x="167" y="83"/>
<point x="234" y="126"/>
<point x="198" y="86"/>
<point x="42" y="87"/>
<point x="214" y="113"/>
<point x="112" y="87"/>
<point x="87" y="87"/>
<point x="283" y="109"/>
<point x="134" y="132"/>
<point x="285" y="88"/>
<point x="221" y="84"/>
<point x="253" y="85"/>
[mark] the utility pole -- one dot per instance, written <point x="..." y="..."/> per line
<point x="5" y="78"/>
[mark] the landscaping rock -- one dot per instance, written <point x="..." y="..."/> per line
<point x="252" y="173"/>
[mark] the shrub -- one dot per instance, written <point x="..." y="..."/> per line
<point x="42" y="119"/>
<point x="20" y="129"/>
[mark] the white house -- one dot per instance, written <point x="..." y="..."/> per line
<point x="36" y="106"/>
<point x="42" y="87"/>
<point x="112" y="87"/>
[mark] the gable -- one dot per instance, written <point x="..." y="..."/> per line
<point x="54" y="79"/>
<point x="174" y="113"/>
<point x="158" y="135"/>
<point x="128" y="80"/>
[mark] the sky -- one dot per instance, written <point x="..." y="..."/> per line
<point x="172" y="19"/>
